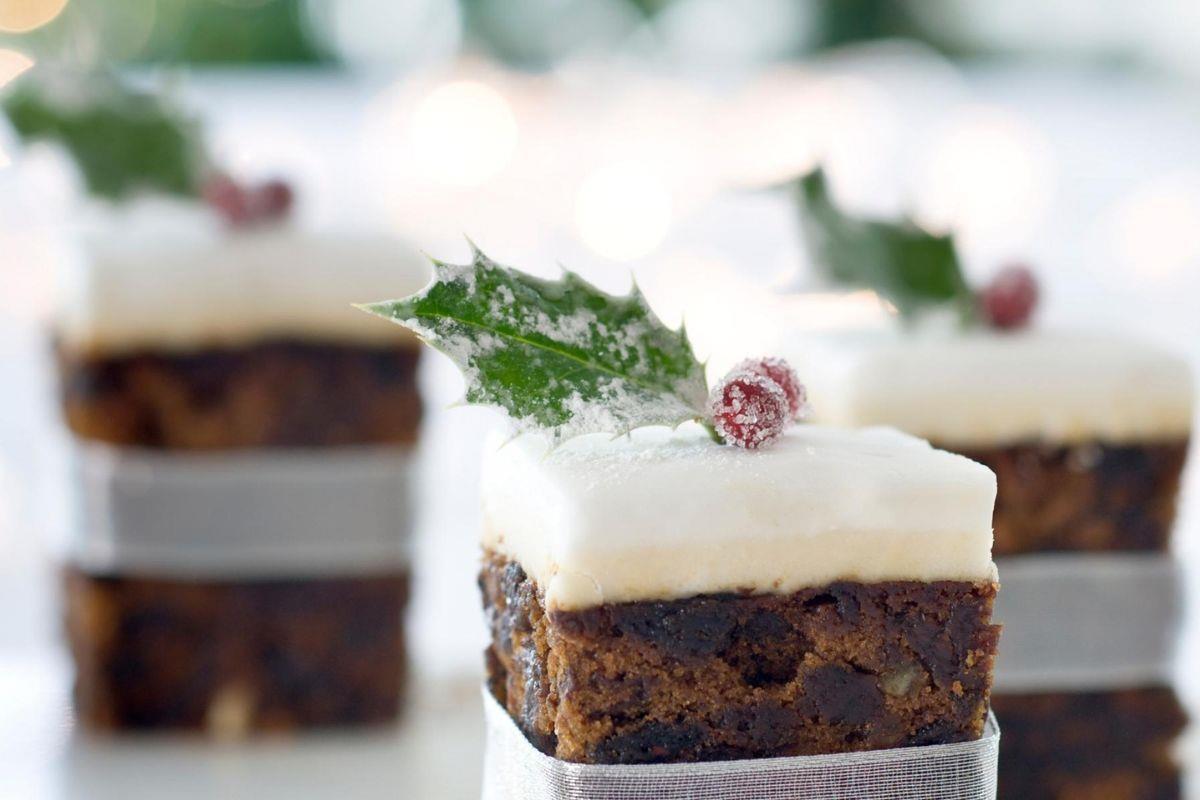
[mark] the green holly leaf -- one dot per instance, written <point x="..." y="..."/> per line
<point x="561" y="356"/>
<point x="910" y="267"/>
<point x="123" y="140"/>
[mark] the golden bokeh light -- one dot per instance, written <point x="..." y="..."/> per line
<point x="21" y="16"/>
<point x="12" y="64"/>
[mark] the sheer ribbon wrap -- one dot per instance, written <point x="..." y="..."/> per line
<point x="239" y="514"/>
<point x="515" y="770"/>
<point x="1087" y="622"/>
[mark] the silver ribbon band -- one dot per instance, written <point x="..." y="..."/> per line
<point x="239" y="514"/>
<point x="1080" y="622"/>
<point x="515" y="770"/>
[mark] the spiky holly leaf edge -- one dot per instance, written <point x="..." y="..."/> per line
<point x="581" y="382"/>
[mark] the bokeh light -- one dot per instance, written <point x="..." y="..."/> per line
<point x="21" y="16"/>
<point x="462" y="133"/>
<point x="12" y="64"/>
<point x="709" y="294"/>
<point x="767" y="131"/>
<point x="623" y="210"/>
<point x="113" y="32"/>
<point x="705" y="33"/>
<point x="856" y="136"/>
<point x="988" y="176"/>
<point x="1154" y="232"/>
<point x="541" y="32"/>
<point x="395" y="33"/>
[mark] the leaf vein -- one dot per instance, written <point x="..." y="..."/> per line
<point x="583" y="362"/>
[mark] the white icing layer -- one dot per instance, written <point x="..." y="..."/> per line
<point x="982" y="388"/>
<point x="664" y="514"/>
<point x="169" y="275"/>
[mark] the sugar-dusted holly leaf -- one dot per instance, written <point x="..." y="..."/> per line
<point x="123" y="139"/>
<point x="559" y="355"/>
<point x="910" y="267"/>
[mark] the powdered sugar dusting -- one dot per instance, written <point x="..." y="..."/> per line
<point x="561" y="356"/>
<point x="464" y="274"/>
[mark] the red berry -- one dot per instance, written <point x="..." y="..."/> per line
<point x="241" y="205"/>
<point x="1008" y="301"/>
<point x="748" y="409"/>
<point x="274" y="199"/>
<point x="228" y="198"/>
<point x="780" y="371"/>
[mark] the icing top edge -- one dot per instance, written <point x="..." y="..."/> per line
<point x="987" y="388"/>
<point x="168" y="275"/>
<point x="662" y="514"/>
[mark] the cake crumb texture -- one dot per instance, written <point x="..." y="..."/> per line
<point x="230" y="658"/>
<point x="837" y="668"/>
<point x="1111" y="745"/>
<point x="286" y="393"/>
<point x="1086" y="497"/>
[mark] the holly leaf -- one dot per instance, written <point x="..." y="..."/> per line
<point x="123" y="140"/>
<point x="560" y="356"/>
<point x="910" y="267"/>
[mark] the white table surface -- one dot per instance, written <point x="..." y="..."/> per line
<point x="434" y="752"/>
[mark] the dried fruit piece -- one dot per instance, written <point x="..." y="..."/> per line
<point x="780" y="371"/>
<point x="1008" y="301"/>
<point x="748" y="409"/>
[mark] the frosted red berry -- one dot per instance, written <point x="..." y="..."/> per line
<point x="780" y="371"/>
<point x="228" y="198"/>
<point x="748" y="409"/>
<point x="243" y="205"/>
<point x="274" y="199"/>
<point x="1009" y="300"/>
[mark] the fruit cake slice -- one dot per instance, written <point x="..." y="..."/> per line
<point x="194" y="346"/>
<point x="663" y="598"/>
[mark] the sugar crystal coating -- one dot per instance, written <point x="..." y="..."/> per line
<point x="780" y="371"/>
<point x="748" y="409"/>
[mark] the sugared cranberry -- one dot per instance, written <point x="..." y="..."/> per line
<point x="748" y="409"/>
<point x="228" y="198"/>
<point x="243" y="205"/>
<point x="274" y="198"/>
<point x="1009" y="300"/>
<point x="780" y="371"/>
